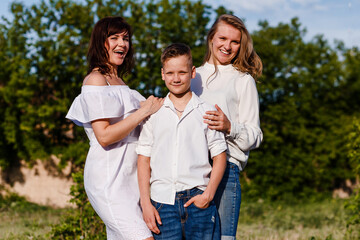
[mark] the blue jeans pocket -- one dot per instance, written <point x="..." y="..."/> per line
<point x="200" y="208"/>
<point x="199" y="192"/>
<point x="156" y="205"/>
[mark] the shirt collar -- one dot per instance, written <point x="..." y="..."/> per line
<point x="220" y="67"/>
<point x="194" y="102"/>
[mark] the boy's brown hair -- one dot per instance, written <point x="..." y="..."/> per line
<point x="176" y="50"/>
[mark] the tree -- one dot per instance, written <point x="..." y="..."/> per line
<point x="353" y="205"/>
<point x="352" y="89"/>
<point x="308" y="92"/>
<point x="16" y="83"/>
<point x="305" y="116"/>
<point x="44" y="61"/>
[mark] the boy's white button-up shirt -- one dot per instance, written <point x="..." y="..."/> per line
<point x="179" y="149"/>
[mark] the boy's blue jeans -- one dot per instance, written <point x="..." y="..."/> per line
<point x="191" y="223"/>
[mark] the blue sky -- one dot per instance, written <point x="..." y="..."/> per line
<point x="335" y="19"/>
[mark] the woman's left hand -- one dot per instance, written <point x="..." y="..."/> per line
<point x="217" y="120"/>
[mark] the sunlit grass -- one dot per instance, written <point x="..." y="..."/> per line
<point x="23" y="220"/>
<point x="277" y="220"/>
<point x="259" y="220"/>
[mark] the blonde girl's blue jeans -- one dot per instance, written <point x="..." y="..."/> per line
<point x="228" y="201"/>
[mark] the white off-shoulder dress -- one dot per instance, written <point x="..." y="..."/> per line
<point x="110" y="175"/>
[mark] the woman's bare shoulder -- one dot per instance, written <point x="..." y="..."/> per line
<point x="95" y="78"/>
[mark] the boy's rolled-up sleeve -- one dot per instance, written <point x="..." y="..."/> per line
<point x="145" y="140"/>
<point x="216" y="142"/>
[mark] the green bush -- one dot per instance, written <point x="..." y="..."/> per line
<point x="353" y="205"/>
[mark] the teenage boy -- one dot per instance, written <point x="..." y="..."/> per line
<point x="177" y="183"/>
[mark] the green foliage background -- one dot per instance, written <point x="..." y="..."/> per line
<point x="309" y="92"/>
<point x="353" y="205"/>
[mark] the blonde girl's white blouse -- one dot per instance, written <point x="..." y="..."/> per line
<point x="236" y="94"/>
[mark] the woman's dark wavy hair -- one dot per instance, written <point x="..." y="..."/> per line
<point x="98" y="56"/>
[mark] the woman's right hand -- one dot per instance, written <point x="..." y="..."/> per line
<point x="151" y="105"/>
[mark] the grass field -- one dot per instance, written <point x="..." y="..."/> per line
<point x="21" y="220"/>
<point x="326" y="220"/>
<point x="312" y="220"/>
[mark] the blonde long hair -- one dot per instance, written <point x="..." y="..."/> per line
<point x="246" y="59"/>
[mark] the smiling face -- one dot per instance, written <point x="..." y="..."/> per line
<point x="177" y="73"/>
<point x="225" y="44"/>
<point x="117" y="46"/>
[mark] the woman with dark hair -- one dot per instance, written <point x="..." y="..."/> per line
<point x="110" y="113"/>
<point x="226" y="79"/>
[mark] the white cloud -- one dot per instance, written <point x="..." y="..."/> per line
<point x="258" y="6"/>
<point x="305" y="2"/>
<point x="350" y="36"/>
<point x="249" y="5"/>
<point x="310" y="4"/>
<point x="261" y="5"/>
<point x="319" y="7"/>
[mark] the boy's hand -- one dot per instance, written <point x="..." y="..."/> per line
<point x="151" y="216"/>
<point x="200" y="201"/>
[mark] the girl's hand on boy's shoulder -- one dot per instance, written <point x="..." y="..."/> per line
<point x="200" y="201"/>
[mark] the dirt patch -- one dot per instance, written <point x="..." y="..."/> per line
<point x="42" y="183"/>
